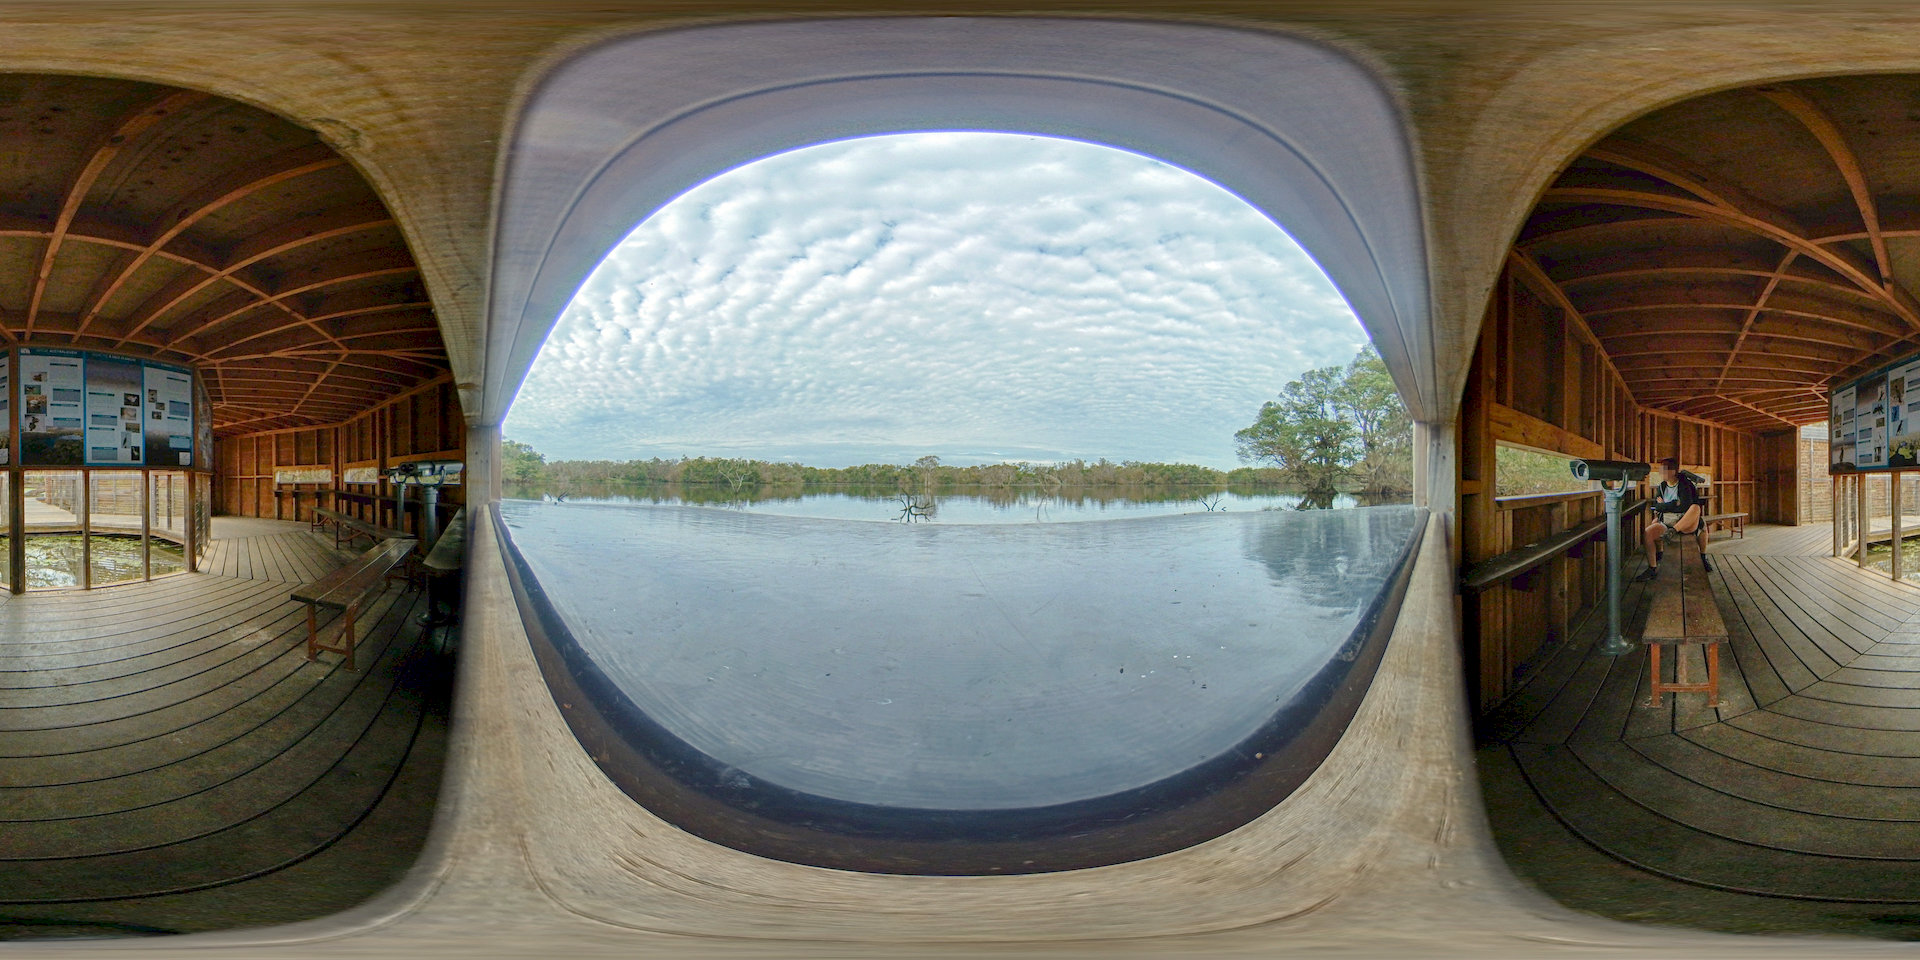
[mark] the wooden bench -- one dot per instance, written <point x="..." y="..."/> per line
<point x="1738" y="521"/>
<point x="1683" y="612"/>
<point x="346" y="528"/>
<point x="346" y="590"/>
<point x="442" y="568"/>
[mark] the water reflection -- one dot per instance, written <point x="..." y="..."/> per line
<point x="949" y="504"/>
<point x="959" y="666"/>
<point x="57" y="559"/>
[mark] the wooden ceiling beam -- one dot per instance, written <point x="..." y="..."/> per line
<point x="1783" y="232"/>
<point x="374" y="265"/>
<point x="1789" y="303"/>
<point x="1678" y="272"/>
<point x="227" y="189"/>
<point x="338" y="317"/>
<point x="131" y="127"/>
<point x="1828" y="133"/>
<point x="1772" y="328"/>
<point x="1746" y="327"/>
<point x="1611" y="232"/>
<point x="287" y="238"/>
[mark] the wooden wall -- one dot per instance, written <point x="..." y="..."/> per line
<point x="1540" y="380"/>
<point x="422" y="424"/>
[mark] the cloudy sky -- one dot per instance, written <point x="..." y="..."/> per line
<point x="976" y="296"/>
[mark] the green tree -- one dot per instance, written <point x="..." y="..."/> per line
<point x="1384" y="431"/>
<point x="520" y="463"/>
<point x="1335" y="426"/>
<point x="1303" y="432"/>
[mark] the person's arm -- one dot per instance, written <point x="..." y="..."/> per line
<point x="1689" y="494"/>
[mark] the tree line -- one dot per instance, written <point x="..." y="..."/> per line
<point x="523" y="464"/>
<point x="1336" y="429"/>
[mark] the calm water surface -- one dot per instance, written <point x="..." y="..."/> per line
<point x="951" y="505"/>
<point x="959" y="665"/>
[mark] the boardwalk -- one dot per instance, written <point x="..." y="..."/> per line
<point x="1806" y="785"/>
<point x="170" y="760"/>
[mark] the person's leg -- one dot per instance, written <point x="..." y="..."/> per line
<point x="1654" y="532"/>
<point x="1689" y="524"/>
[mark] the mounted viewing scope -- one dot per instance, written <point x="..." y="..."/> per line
<point x="1608" y="470"/>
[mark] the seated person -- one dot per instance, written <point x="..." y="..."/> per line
<point x="1677" y="507"/>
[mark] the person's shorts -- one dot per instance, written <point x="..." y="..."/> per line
<point x="1668" y="520"/>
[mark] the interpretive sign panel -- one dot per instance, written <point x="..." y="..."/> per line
<point x="78" y="407"/>
<point x="169" y="416"/>
<point x="53" y="397"/>
<point x="303" y="475"/>
<point x="6" y="409"/>
<point x="114" y="424"/>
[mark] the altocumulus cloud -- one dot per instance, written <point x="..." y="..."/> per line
<point x="976" y="296"/>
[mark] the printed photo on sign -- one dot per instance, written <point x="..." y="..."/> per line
<point x="170" y="426"/>
<point x="53" y="400"/>
<point x="1842" y="438"/>
<point x="114" y="434"/>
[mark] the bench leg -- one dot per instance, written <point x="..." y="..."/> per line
<point x="352" y="609"/>
<point x="1713" y="676"/>
<point x="1653" y="672"/>
<point x="313" y="635"/>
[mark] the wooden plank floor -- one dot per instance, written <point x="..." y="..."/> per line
<point x="1805" y="785"/>
<point x="288" y="554"/>
<point x="169" y="759"/>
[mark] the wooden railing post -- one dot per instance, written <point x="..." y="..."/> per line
<point x="1893" y="518"/>
<point x="1862" y="518"/>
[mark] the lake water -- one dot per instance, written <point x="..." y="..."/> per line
<point x="945" y="665"/>
<point x="956" y="505"/>
<point x="57" y="559"/>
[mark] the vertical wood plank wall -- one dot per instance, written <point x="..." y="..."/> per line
<point x="424" y="423"/>
<point x="1586" y="411"/>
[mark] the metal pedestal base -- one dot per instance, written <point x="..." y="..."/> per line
<point x="1614" y="645"/>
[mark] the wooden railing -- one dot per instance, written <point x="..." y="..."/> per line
<point x="1529" y="557"/>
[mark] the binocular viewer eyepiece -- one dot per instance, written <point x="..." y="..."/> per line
<point x="1608" y="470"/>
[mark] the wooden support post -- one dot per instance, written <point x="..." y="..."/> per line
<point x="1837" y="516"/>
<point x="192" y="515"/>
<point x="1893" y="517"/>
<point x="1861" y="517"/>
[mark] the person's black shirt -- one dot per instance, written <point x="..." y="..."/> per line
<point x="1676" y="497"/>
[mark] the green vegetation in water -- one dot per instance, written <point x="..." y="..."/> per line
<point x="1339" y="429"/>
<point x="1880" y="557"/>
<point x="1519" y="473"/>
<point x="56" y="559"/>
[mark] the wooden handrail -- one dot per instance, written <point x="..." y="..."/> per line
<point x="1502" y="567"/>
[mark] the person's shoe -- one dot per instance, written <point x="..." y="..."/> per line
<point x="1647" y="574"/>
<point x="1706" y="564"/>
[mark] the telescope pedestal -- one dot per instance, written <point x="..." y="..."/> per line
<point x="1614" y="644"/>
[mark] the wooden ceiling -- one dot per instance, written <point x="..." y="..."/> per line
<point x="191" y="228"/>
<point x="1736" y="252"/>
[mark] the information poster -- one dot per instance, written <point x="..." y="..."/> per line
<point x="52" y="407"/>
<point x="168" y="402"/>
<point x="115" y="423"/>
<point x="1870" y="423"/>
<point x="1841" y="436"/>
<point x="6" y="411"/>
<point x="1903" y="415"/>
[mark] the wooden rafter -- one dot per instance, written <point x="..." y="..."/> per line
<point x="1828" y="133"/>
<point x="1746" y="326"/>
<point x="202" y="231"/>
<point x="143" y="119"/>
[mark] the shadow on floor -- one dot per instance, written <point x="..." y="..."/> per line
<point x="1795" y="808"/>
<point x="171" y="762"/>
